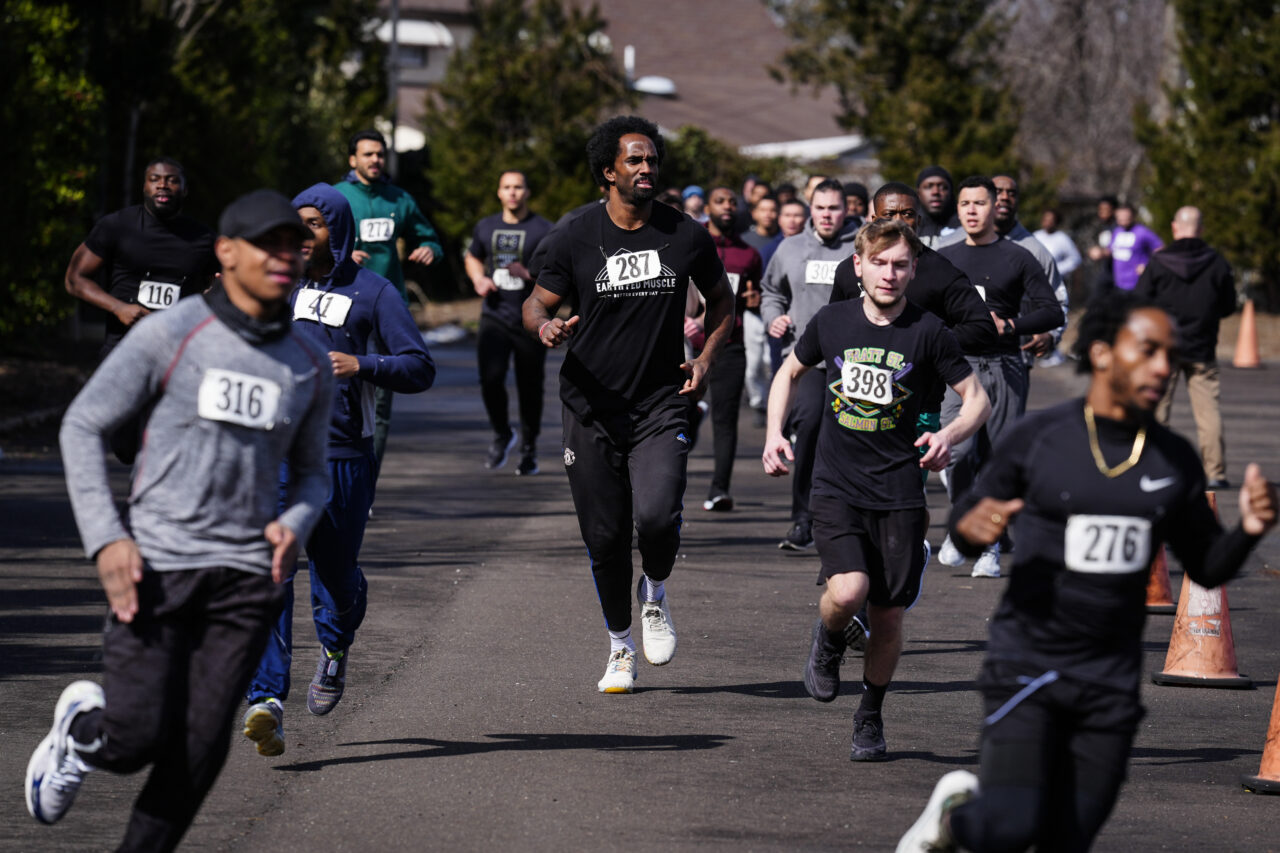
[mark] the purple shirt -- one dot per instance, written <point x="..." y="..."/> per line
<point x="1130" y="251"/>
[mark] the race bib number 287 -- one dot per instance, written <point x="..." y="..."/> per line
<point x="630" y="267"/>
<point x="238" y="398"/>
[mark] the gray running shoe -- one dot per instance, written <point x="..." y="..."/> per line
<point x="868" y="739"/>
<point x="55" y="771"/>
<point x="264" y="725"/>
<point x="822" y="670"/>
<point x="331" y="679"/>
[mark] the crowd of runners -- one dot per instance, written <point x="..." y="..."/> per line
<point x="877" y="337"/>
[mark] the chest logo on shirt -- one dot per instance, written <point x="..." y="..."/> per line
<point x="506" y="247"/>
<point x="317" y="306"/>
<point x="868" y="396"/>
<point x="378" y="230"/>
<point x="635" y="274"/>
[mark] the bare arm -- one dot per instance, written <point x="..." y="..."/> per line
<point x="777" y="449"/>
<point x="718" y="323"/>
<point x="81" y="272"/>
<point x="480" y="279"/>
<point x="540" y="320"/>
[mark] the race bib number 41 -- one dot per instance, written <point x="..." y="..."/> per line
<point x="631" y="267"/>
<point x="1107" y="544"/>
<point x="820" y="272"/>
<point x="377" y="230"/>
<point x="867" y="382"/>
<point x="238" y="398"/>
<point x="321" y="307"/>
<point x="158" y="295"/>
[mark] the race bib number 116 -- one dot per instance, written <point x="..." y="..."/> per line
<point x="158" y="295"/>
<point x="238" y="398"/>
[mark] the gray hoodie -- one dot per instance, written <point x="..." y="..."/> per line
<point x="226" y="412"/>
<point x="799" y="278"/>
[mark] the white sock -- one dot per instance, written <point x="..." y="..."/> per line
<point x="652" y="589"/>
<point x="621" y="640"/>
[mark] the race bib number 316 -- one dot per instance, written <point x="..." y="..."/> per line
<point x="630" y="267"/>
<point x="157" y="295"/>
<point x="1107" y="544"/>
<point x="867" y="382"/>
<point x="238" y="398"/>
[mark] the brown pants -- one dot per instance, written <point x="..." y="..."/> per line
<point x="1202" y="386"/>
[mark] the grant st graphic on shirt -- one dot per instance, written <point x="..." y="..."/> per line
<point x="869" y="394"/>
<point x="640" y="273"/>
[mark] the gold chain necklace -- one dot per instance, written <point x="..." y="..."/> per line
<point x="1139" y="441"/>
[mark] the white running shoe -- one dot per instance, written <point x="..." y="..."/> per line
<point x="988" y="565"/>
<point x="264" y="725"/>
<point x="929" y="832"/>
<point x="55" y="772"/>
<point x="949" y="554"/>
<point x="619" y="673"/>
<point x="658" y="630"/>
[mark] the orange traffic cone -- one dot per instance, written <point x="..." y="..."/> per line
<point x="1247" y="340"/>
<point x="1202" y="651"/>
<point x="1159" y="593"/>
<point x="1268" y="779"/>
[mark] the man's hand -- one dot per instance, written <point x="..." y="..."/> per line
<point x="1257" y="502"/>
<point x="130" y="313"/>
<point x="360" y="256"/>
<point x="695" y="372"/>
<point x="284" y="550"/>
<point x="779" y="326"/>
<point x="344" y="365"/>
<point x="555" y="331"/>
<point x="520" y="271"/>
<point x="938" y="456"/>
<point x="120" y="571"/>
<point x="422" y="255"/>
<point x="1002" y="325"/>
<point x="986" y="522"/>
<point x="777" y="453"/>
<point x="1040" y="344"/>
<point x="484" y="285"/>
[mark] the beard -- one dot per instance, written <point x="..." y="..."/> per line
<point x="170" y="209"/>
<point x="643" y="194"/>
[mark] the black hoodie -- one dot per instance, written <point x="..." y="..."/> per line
<point x="1194" y="284"/>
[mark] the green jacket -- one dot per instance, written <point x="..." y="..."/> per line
<point x="385" y="213"/>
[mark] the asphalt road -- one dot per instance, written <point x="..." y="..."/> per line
<point x="471" y="719"/>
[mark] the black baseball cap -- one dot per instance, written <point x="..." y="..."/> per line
<point x="258" y="212"/>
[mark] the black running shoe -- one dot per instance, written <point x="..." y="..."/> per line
<point x="528" y="463"/>
<point x="868" y="739"/>
<point x="822" y="670"/>
<point x="798" y="538"/>
<point x="498" y="450"/>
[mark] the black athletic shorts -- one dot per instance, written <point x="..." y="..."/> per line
<point x="885" y="545"/>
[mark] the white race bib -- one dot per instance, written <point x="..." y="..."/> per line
<point x="506" y="281"/>
<point x="734" y="279"/>
<point x="377" y="230"/>
<point x="867" y="382"/>
<point x="238" y="398"/>
<point x="320" y="307"/>
<point x="158" y="295"/>
<point x="820" y="272"/>
<point x="982" y="291"/>
<point x="631" y="267"/>
<point x="1107" y="544"/>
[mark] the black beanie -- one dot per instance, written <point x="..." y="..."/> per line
<point x="934" y="171"/>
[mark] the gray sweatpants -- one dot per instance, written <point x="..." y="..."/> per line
<point x="1004" y="378"/>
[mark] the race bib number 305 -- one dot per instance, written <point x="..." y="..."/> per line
<point x="158" y="295"/>
<point x="630" y="267"/>
<point x="321" y="307"/>
<point x="1108" y="544"/>
<point x="377" y="230"/>
<point x="820" y="272"/>
<point x="238" y="398"/>
<point x="867" y="382"/>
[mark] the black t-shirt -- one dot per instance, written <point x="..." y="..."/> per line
<point x="500" y="244"/>
<point x="138" y="247"/>
<point x="1005" y="274"/>
<point x="1076" y="600"/>
<point x="879" y="379"/>
<point x="630" y="288"/>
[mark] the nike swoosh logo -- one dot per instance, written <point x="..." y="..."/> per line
<point x="1149" y="485"/>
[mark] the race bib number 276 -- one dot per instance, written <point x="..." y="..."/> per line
<point x="1107" y="544"/>
<point x="238" y="398"/>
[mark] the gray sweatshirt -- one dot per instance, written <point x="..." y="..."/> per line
<point x="226" y="413"/>
<point x="799" y="278"/>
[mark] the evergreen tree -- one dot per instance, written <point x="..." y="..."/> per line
<point x="1219" y="149"/>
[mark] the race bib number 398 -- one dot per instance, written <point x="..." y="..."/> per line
<point x="238" y="398"/>
<point x="1107" y="544"/>
<point x="630" y="267"/>
<point x="158" y="295"/>
<point x="867" y="382"/>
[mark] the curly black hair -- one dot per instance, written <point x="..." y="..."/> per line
<point x="1106" y="315"/>
<point x="602" y="147"/>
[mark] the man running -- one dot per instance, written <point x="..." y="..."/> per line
<point x="355" y="316"/>
<point x="192" y="581"/>
<point x="384" y="215"/>
<point x="496" y="262"/>
<point x="1094" y="487"/>
<point x="937" y="200"/>
<point x="626" y="387"/>
<point x="883" y="356"/>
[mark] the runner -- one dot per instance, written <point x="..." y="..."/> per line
<point x="355" y="316"/>
<point x="627" y="391"/>
<point x="1093" y="486"/>
<point x="232" y="393"/>
<point x="496" y="263"/>
<point x="883" y="356"/>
